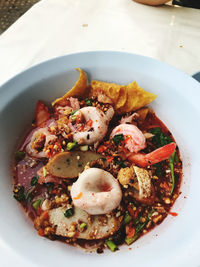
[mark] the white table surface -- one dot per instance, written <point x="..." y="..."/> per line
<point x="56" y="27"/>
<point x="53" y="28"/>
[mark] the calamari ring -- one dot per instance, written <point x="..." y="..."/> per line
<point x="96" y="191"/>
<point x="48" y="137"/>
<point x="100" y="122"/>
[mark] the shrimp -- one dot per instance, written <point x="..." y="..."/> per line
<point x="134" y="138"/>
<point x="135" y="141"/>
<point x="39" y="140"/>
<point x="96" y="191"/>
<point x="160" y="154"/>
<point x="98" y="121"/>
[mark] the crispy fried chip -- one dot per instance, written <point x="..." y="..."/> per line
<point x="79" y="89"/>
<point x="136" y="98"/>
<point x="125" y="98"/>
<point x="110" y="90"/>
<point x="122" y="98"/>
<point x="113" y="93"/>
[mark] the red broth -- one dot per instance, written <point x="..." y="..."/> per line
<point x="142" y="215"/>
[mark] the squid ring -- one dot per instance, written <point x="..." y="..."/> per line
<point x="96" y="191"/>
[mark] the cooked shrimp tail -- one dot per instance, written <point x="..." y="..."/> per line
<point x="158" y="155"/>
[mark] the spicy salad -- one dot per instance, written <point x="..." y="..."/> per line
<point x="98" y="169"/>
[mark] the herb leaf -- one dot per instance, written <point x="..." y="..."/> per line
<point x="88" y="102"/>
<point x="69" y="212"/>
<point x="29" y="194"/>
<point x="120" y="163"/>
<point x="158" y="169"/>
<point x="159" y="138"/>
<point x="138" y="228"/>
<point x="118" y="138"/>
<point x="34" y="180"/>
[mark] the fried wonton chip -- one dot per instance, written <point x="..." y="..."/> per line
<point x="125" y="98"/>
<point x="110" y="90"/>
<point x="122" y="98"/>
<point x="136" y="98"/>
<point x="113" y="93"/>
<point x="79" y="89"/>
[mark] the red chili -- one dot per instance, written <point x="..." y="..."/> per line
<point x="41" y="232"/>
<point x="54" y="191"/>
<point x="69" y="136"/>
<point x="109" y="158"/>
<point x="136" y="214"/>
<point x="131" y="211"/>
<point x="125" y="150"/>
<point x="130" y="230"/>
<point x="127" y="139"/>
<point x="89" y="123"/>
<point x="166" y="186"/>
<point x="101" y="149"/>
<point x="173" y="214"/>
<point x="45" y="215"/>
<point x="81" y="128"/>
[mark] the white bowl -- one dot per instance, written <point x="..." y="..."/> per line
<point x="175" y="241"/>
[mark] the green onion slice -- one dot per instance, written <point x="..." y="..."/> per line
<point x="36" y="204"/>
<point x="44" y="171"/>
<point x="127" y="218"/>
<point x="71" y="145"/>
<point x="111" y="245"/>
<point x="83" y="225"/>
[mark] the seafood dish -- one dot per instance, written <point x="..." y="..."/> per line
<point x="97" y="169"/>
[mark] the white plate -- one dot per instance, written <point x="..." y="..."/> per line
<point x="176" y="240"/>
